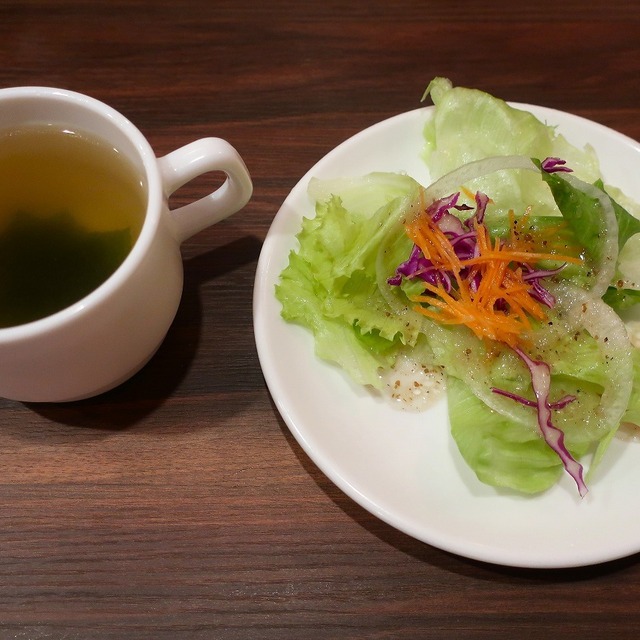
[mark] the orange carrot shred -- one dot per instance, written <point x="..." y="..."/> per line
<point x="500" y="305"/>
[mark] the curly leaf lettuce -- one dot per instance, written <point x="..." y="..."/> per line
<point x="330" y="284"/>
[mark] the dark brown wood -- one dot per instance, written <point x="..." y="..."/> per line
<point x="178" y="505"/>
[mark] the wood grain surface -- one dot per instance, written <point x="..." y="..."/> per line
<point x="178" y="505"/>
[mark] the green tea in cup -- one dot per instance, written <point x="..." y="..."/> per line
<point x="71" y="208"/>
<point x="91" y="267"/>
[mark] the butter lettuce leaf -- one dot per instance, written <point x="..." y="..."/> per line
<point x="469" y="124"/>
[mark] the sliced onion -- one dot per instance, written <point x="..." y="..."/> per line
<point x="451" y="182"/>
<point x="583" y="309"/>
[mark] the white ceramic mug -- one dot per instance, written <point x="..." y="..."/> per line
<point x="107" y="336"/>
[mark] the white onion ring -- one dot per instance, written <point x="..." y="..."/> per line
<point x="582" y="309"/>
<point x="606" y="267"/>
<point x="451" y="182"/>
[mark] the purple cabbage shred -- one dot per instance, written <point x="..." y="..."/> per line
<point x="555" y="406"/>
<point x="555" y="165"/>
<point x="541" y="382"/>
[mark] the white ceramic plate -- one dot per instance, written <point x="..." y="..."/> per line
<point x="404" y="467"/>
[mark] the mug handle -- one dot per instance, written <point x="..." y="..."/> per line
<point x="194" y="159"/>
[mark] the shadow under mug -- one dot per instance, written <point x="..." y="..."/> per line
<point x="100" y="341"/>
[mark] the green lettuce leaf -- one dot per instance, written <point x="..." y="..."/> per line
<point x="469" y="124"/>
<point x="632" y="413"/>
<point x="500" y="451"/>
<point x="330" y="284"/>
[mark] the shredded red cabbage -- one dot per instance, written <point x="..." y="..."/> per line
<point x="537" y="291"/>
<point x="554" y="437"/>
<point x="417" y="266"/>
<point x="439" y="207"/>
<point x="554" y="165"/>
<point x="555" y="406"/>
<point x="482" y="200"/>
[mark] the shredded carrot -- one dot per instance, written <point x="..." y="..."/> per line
<point x="513" y="251"/>
<point x="467" y="192"/>
<point x="491" y="298"/>
<point x="434" y="244"/>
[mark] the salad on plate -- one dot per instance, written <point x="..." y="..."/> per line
<point x="510" y="274"/>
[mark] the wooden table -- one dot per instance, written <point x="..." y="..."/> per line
<point x="178" y="505"/>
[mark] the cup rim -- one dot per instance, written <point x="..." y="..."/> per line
<point x="150" y="223"/>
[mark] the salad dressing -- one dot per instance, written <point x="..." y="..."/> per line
<point x="413" y="386"/>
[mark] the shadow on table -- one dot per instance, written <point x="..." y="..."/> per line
<point x="148" y="389"/>
<point x="437" y="557"/>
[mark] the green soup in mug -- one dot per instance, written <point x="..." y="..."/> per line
<point x="71" y="208"/>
